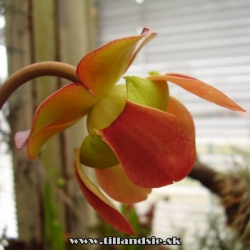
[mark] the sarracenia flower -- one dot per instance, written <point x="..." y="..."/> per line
<point x="139" y="137"/>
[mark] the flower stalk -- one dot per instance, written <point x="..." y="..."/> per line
<point x="33" y="71"/>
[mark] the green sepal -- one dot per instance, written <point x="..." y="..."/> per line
<point x="147" y="93"/>
<point x="96" y="153"/>
<point x="107" y="109"/>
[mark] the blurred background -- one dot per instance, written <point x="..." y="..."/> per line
<point x="40" y="203"/>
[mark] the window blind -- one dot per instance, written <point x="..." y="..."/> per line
<point x="209" y="40"/>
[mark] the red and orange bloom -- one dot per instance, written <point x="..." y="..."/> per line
<point x="139" y="137"/>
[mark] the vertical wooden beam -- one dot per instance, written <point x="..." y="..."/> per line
<point x="27" y="173"/>
<point x="34" y="30"/>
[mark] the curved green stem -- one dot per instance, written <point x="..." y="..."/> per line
<point x="33" y="71"/>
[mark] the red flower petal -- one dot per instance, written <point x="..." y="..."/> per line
<point x="199" y="88"/>
<point x="99" y="202"/>
<point x="119" y="187"/>
<point x="56" y="113"/>
<point x="154" y="147"/>
<point x="177" y="109"/>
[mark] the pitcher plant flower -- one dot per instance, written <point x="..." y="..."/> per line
<point x="139" y="137"/>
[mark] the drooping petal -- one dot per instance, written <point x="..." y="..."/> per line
<point x="99" y="202"/>
<point x="56" y="113"/>
<point x="154" y="147"/>
<point x="177" y="109"/>
<point x="200" y="89"/>
<point x="21" y="138"/>
<point x="96" y="153"/>
<point x="103" y="67"/>
<point x="146" y="92"/>
<point x="119" y="187"/>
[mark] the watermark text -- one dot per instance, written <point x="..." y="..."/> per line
<point x="113" y="240"/>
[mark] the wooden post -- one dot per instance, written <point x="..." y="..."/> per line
<point x="40" y="31"/>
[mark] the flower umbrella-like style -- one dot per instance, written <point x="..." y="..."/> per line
<point x="139" y="137"/>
